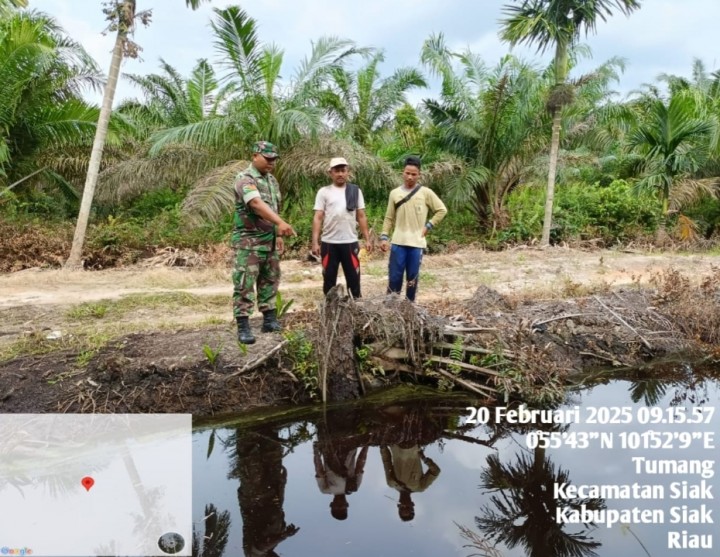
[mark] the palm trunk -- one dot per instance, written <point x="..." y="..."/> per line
<point x="552" y="171"/>
<point x="74" y="261"/>
<point x="561" y="69"/>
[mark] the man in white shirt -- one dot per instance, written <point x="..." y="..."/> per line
<point x="339" y="209"/>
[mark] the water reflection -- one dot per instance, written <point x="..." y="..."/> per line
<point x="258" y="464"/>
<point x="523" y="507"/>
<point x="339" y="457"/>
<point x="403" y="460"/>
<point x="401" y="479"/>
<point x="685" y="382"/>
<point x="215" y="536"/>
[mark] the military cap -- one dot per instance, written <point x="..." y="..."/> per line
<point x="266" y="149"/>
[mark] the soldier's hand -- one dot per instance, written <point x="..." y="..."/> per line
<point x="280" y="244"/>
<point x="384" y="245"/>
<point x="284" y="229"/>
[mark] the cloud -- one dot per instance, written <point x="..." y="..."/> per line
<point x="663" y="36"/>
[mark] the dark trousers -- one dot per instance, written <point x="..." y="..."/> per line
<point x="334" y="255"/>
<point x="404" y="262"/>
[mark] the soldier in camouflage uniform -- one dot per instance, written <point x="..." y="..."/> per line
<point x="258" y="239"/>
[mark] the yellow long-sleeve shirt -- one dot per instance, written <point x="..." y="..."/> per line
<point x="410" y="219"/>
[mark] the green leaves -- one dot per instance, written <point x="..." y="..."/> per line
<point x="545" y="23"/>
<point x="674" y="139"/>
<point x="488" y="125"/>
<point x="42" y="73"/>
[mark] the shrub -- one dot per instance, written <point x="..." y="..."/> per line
<point x="615" y="213"/>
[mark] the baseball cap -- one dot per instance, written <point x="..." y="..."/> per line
<point x="266" y="149"/>
<point x="337" y="161"/>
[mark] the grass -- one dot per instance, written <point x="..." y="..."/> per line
<point x="85" y="342"/>
<point x="374" y="270"/>
<point x="208" y="321"/>
<point x="135" y="302"/>
<point x="181" y="278"/>
<point x="427" y="278"/>
<point x="559" y="290"/>
<point x="86" y="339"/>
<point x="96" y="310"/>
<point x="91" y="325"/>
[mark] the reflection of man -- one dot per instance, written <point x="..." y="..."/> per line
<point x="262" y="492"/>
<point x="339" y="471"/>
<point x="404" y="472"/>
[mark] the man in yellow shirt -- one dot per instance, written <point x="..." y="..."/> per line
<point x="407" y="213"/>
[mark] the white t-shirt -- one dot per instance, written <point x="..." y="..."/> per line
<point x="339" y="224"/>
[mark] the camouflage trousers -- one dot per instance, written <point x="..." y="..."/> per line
<point x="255" y="270"/>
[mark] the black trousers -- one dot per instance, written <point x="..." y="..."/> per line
<point x="334" y="255"/>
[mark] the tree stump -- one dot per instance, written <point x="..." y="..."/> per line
<point x="339" y="376"/>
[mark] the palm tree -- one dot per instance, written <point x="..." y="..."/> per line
<point x="170" y="100"/>
<point x="704" y="89"/>
<point x="557" y="23"/>
<point x="7" y="6"/>
<point x="216" y="534"/>
<point x="122" y="14"/>
<point x="488" y="124"/>
<point x="259" y="105"/>
<point x="674" y="139"/>
<point x="42" y="115"/>
<point x="360" y="103"/>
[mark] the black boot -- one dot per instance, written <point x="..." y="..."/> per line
<point x="245" y="335"/>
<point x="270" y="322"/>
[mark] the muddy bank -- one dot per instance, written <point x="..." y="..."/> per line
<point x="196" y="371"/>
<point x="531" y="345"/>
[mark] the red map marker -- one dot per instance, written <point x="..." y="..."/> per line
<point x="87" y="482"/>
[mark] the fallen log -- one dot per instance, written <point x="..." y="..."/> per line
<point x="463" y="365"/>
<point x="469" y="385"/>
<point x="477" y="350"/>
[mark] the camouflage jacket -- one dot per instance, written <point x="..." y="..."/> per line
<point x="251" y="231"/>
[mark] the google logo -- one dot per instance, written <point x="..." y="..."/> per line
<point x="12" y="551"/>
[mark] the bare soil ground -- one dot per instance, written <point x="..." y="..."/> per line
<point x="162" y="339"/>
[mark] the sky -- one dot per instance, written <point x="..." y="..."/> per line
<point x="664" y="36"/>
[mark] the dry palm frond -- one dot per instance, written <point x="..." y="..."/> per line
<point x="213" y="195"/>
<point x="173" y="257"/>
<point x="687" y="191"/>
<point x="441" y="171"/>
<point x="308" y="160"/>
<point x="687" y="229"/>
<point x="176" y="164"/>
<point x="476" y="542"/>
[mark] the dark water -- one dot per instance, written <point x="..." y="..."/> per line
<point x="403" y="479"/>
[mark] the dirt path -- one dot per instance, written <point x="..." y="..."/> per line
<point x="443" y="276"/>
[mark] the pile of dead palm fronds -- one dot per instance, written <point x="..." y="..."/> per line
<point x="493" y="346"/>
<point x="173" y="257"/>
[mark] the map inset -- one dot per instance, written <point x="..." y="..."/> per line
<point x="95" y="484"/>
